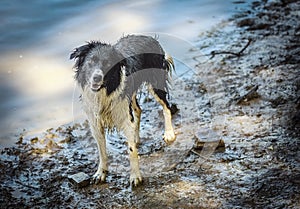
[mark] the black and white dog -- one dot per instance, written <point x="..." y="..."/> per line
<point x="109" y="77"/>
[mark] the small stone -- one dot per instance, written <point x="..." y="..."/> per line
<point x="207" y="139"/>
<point x="79" y="179"/>
<point x="34" y="140"/>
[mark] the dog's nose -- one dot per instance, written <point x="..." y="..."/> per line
<point x="97" y="78"/>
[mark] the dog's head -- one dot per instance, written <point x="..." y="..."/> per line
<point x="98" y="66"/>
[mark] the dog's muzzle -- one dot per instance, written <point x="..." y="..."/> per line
<point x="96" y="80"/>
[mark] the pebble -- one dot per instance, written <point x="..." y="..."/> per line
<point x="80" y="179"/>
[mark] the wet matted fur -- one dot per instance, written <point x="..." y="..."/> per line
<point x="109" y="77"/>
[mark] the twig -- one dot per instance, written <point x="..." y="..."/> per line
<point x="201" y="156"/>
<point x="238" y="54"/>
<point x="249" y="94"/>
<point x="25" y="185"/>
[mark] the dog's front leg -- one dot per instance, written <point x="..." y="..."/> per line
<point x="99" y="135"/>
<point x="135" y="174"/>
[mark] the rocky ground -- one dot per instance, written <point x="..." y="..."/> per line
<point x="244" y="89"/>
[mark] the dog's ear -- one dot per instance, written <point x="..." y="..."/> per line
<point x="80" y="53"/>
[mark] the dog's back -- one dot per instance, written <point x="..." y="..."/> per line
<point x="145" y="62"/>
<point x="133" y="45"/>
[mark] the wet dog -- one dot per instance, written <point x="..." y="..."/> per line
<point x="109" y="77"/>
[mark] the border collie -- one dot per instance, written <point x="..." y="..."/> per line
<point x="109" y="77"/>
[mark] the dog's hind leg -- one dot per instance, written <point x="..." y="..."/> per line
<point x="99" y="135"/>
<point x="137" y="117"/>
<point x="161" y="97"/>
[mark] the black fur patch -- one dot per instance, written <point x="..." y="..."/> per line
<point x="112" y="79"/>
<point x="82" y="51"/>
<point x="163" y="96"/>
<point x="131" y="113"/>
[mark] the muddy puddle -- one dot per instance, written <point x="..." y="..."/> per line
<point x="244" y="90"/>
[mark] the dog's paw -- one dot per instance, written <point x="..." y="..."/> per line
<point x="135" y="179"/>
<point x="98" y="177"/>
<point x="169" y="137"/>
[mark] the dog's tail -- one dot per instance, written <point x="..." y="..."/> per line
<point x="170" y="67"/>
<point x="169" y="63"/>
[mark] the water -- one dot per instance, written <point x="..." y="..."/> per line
<point x="36" y="38"/>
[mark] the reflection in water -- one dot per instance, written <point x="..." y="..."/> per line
<point x="36" y="39"/>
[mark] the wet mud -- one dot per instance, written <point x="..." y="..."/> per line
<point x="237" y="132"/>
